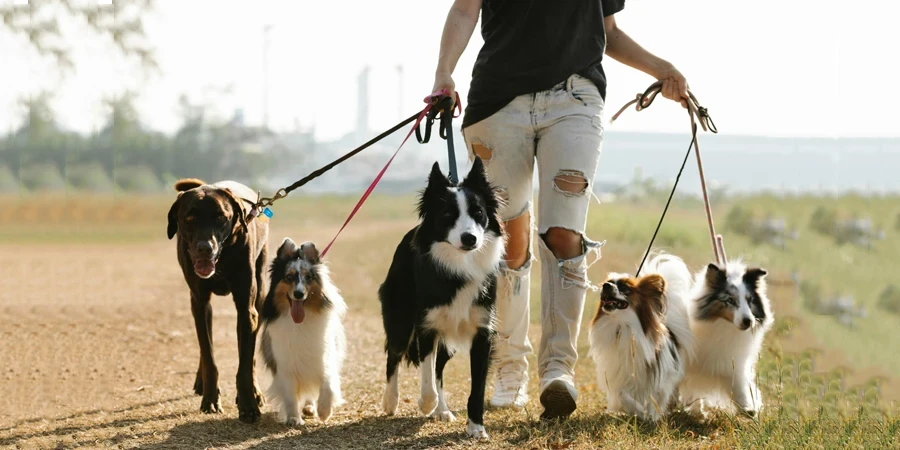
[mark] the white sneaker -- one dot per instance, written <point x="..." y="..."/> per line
<point x="558" y="396"/>
<point x="511" y="387"/>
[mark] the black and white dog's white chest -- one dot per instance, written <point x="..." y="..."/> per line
<point x="457" y="308"/>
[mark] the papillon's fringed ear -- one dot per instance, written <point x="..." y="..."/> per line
<point x="652" y="289"/>
<point x="288" y="250"/>
<point x="715" y="277"/>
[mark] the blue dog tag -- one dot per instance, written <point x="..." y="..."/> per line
<point x="266" y="215"/>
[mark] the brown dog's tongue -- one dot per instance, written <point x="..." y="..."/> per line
<point x="204" y="267"/>
<point x="297" y="312"/>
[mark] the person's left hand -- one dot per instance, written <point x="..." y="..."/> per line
<point x="675" y="86"/>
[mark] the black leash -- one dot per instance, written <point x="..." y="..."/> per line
<point x="283" y="192"/>
<point x="445" y="131"/>
<point x="697" y="114"/>
<point x="669" y="201"/>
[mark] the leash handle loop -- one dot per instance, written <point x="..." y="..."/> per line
<point x="697" y="114"/>
<point x="431" y="101"/>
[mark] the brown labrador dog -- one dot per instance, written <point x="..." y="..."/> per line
<point x="221" y="252"/>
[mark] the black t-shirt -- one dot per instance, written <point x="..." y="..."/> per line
<point x="532" y="45"/>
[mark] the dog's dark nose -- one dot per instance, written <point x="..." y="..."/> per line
<point x="609" y="288"/>
<point x="746" y="323"/>
<point x="204" y="248"/>
<point x="298" y="294"/>
<point x="468" y="239"/>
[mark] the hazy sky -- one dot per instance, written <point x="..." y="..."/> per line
<point x="785" y="68"/>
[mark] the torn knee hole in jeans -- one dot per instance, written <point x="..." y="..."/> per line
<point x="515" y="278"/>
<point x="574" y="277"/>
<point x="482" y="151"/>
<point x="573" y="271"/>
<point x="570" y="182"/>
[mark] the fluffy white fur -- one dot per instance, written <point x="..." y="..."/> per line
<point x="309" y="358"/>
<point x="623" y="354"/>
<point x="723" y="374"/>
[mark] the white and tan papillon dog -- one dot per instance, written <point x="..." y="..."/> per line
<point x="640" y="338"/>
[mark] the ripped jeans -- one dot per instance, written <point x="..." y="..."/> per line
<point x="561" y="130"/>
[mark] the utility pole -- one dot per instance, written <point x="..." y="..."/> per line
<point x="265" y="69"/>
<point x="399" y="91"/>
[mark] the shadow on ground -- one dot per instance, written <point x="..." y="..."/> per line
<point x="373" y="432"/>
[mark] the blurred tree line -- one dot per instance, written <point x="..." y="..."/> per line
<point x="122" y="154"/>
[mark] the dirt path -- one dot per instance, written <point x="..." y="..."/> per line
<point x="98" y="350"/>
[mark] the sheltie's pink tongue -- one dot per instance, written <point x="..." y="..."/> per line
<point x="297" y="312"/>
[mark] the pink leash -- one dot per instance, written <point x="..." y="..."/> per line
<point x="430" y="101"/>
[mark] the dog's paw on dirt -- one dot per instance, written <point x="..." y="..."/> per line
<point x="309" y="410"/>
<point x="443" y="416"/>
<point x="427" y="403"/>
<point x="248" y="413"/>
<point x="210" y="406"/>
<point x="477" y="432"/>
<point x="294" y="421"/>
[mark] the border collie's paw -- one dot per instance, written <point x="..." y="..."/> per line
<point x="428" y="403"/>
<point x="749" y="412"/>
<point x="443" y="416"/>
<point x="477" y="431"/>
<point x="309" y="410"/>
<point x="390" y="400"/>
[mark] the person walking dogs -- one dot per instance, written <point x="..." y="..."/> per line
<point x="537" y="96"/>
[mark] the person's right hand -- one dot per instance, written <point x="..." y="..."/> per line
<point x="443" y="80"/>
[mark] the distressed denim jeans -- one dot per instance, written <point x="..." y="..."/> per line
<point x="560" y="130"/>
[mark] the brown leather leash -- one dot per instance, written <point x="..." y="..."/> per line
<point x="698" y="114"/>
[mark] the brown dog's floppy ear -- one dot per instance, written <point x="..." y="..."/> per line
<point x="309" y="252"/>
<point x="237" y="208"/>
<point x="173" y="218"/>
<point x="652" y="289"/>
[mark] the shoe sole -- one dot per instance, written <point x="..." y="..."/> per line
<point x="557" y="401"/>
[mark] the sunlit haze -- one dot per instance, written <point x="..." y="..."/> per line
<point x="801" y="68"/>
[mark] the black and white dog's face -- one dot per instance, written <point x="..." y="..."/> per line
<point x="736" y="294"/>
<point x="465" y="215"/>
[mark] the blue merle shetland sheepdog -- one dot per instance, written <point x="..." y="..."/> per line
<point x="439" y="294"/>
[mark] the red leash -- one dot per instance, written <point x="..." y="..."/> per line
<point x="430" y="101"/>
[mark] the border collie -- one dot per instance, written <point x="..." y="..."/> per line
<point x="439" y="294"/>
<point x="730" y="317"/>
<point x="640" y="338"/>
<point x="303" y="343"/>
